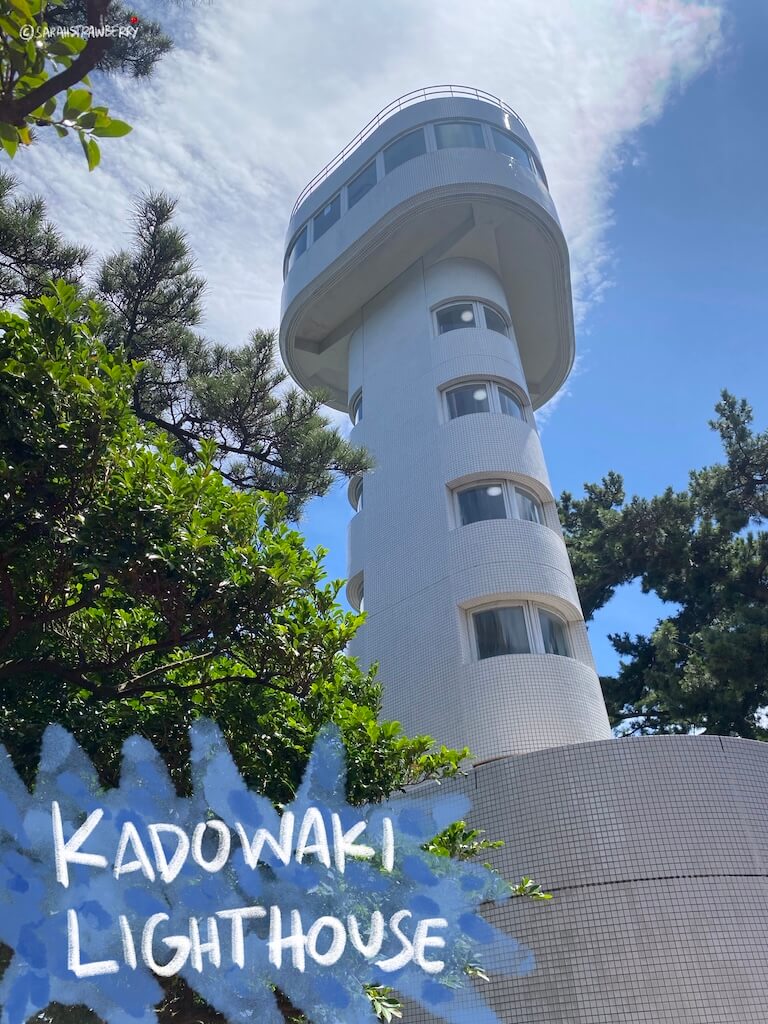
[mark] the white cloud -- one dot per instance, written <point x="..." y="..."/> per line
<point x="258" y="97"/>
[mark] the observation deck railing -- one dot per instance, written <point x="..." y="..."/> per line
<point x="407" y="100"/>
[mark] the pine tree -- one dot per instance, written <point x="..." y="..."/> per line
<point x="268" y="436"/>
<point x="705" y="552"/>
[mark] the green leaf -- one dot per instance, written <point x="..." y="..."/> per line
<point x="78" y="101"/>
<point x="114" y="129"/>
<point x="64" y="46"/>
<point x="9" y="139"/>
<point x="91" y="150"/>
<point x="23" y="8"/>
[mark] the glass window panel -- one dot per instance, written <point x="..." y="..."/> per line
<point x="528" y="507"/>
<point x="494" y="321"/>
<point x="510" y="404"/>
<point x="451" y="318"/>
<point x="539" y="169"/>
<point x="327" y="217"/>
<point x="479" y="503"/>
<point x="501" y="631"/>
<point x="510" y="147"/>
<point x="467" y="399"/>
<point x="455" y="134"/>
<point x="356" y="412"/>
<point x="554" y="633"/>
<point x="358" y="496"/>
<point x="361" y="185"/>
<point x="299" y="246"/>
<point x="403" y="149"/>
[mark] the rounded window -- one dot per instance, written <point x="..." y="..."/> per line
<point x="482" y="502"/>
<point x="455" y="317"/>
<point x="356" y="494"/>
<point x="298" y="246"/>
<point x="501" y="631"/>
<point x="403" y="149"/>
<point x="468" y="398"/>
<point x="528" y="506"/>
<point x="356" y="408"/>
<point x="510" y="404"/>
<point x="554" y="634"/>
<point x="327" y="217"/>
<point x="495" y="321"/>
<point x="509" y="146"/>
<point x="355" y="593"/>
<point x="497" y="499"/>
<point x="483" y="396"/>
<point x="361" y="184"/>
<point x="459" y="134"/>
<point x="522" y="628"/>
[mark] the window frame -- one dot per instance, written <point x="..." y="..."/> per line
<point x="533" y="498"/>
<point x="522" y="403"/>
<point x="493" y="387"/>
<point x="373" y="163"/>
<point x="355" y="493"/>
<point x="478" y="310"/>
<point x="304" y="230"/>
<point x="523" y="605"/>
<point x="411" y="131"/>
<point x="509" y="491"/>
<point x="458" y="120"/>
<point x="518" y="142"/>
<point x="355" y="409"/>
<point x="446" y="392"/>
<point x="355" y="592"/>
<point x="487" y="307"/>
<point x="539" y="170"/>
<point x="534" y="632"/>
<point x="477" y="486"/>
<point x="448" y="305"/>
<point x="334" y="200"/>
<point x="541" y="609"/>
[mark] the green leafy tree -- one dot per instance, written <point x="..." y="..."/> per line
<point x="703" y="550"/>
<point x="44" y="70"/>
<point x="138" y="592"/>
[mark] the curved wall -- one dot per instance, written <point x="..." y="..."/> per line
<point x="424" y="574"/>
<point x="656" y="852"/>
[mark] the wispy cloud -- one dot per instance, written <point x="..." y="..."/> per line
<point x="257" y="97"/>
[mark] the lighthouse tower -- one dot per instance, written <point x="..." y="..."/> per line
<point x="427" y="294"/>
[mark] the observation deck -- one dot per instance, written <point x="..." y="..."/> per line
<point x="440" y="173"/>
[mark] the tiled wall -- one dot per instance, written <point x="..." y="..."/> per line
<point x="656" y="851"/>
<point x="423" y="574"/>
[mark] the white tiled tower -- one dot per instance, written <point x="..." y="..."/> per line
<point x="427" y="292"/>
<point x="427" y="287"/>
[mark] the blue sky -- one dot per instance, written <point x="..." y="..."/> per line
<point x="651" y="125"/>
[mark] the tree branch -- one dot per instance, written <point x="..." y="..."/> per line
<point x="15" y="110"/>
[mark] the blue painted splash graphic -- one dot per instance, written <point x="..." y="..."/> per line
<point x="104" y="891"/>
